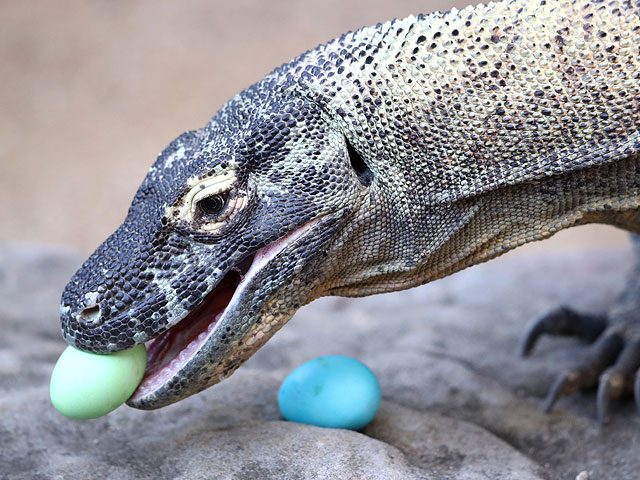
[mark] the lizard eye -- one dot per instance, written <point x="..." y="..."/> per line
<point x="213" y="205"/>
<point x="217" y="210"/>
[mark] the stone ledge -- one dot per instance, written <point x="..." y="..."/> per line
<point x="458" y="402"/>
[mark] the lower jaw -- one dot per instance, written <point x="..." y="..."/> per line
<point x="171" y="351"/>
<point x="159" y="374"/>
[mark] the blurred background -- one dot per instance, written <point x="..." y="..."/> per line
<point x="93" y="91"/>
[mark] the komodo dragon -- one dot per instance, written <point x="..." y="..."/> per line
<point x="385" y="159"/>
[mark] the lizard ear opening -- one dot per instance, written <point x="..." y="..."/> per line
<point x="363" y="172"/>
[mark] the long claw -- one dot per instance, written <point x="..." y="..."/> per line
<point x="603" y="354"/>
<point x="531" y="336"/>
<point x="555" y="391"/>
<point x="618" y="380"/>
<point x="563" y="321"/>
<point x="604" y="395"/>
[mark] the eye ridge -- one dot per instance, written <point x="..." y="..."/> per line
<point x="213" y="205"/>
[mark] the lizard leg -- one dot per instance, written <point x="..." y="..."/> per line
<point x="613" y="362"/>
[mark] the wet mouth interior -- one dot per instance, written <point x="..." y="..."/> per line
<point x="170" y="350"/>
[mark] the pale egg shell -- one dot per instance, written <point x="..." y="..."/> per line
<point x="86" y="385"/>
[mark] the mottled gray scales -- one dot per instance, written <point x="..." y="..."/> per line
<point x="387" y="158"/>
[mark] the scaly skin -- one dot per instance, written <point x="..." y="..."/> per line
<point x="397" y="154"/>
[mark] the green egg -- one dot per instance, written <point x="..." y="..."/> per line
<point x="86" y="385"/>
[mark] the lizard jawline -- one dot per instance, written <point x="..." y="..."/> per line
<point x="172" y="350"/>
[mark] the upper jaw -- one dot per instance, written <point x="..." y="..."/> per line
<point x="89" y="336"/>
<point x="266" y="296"/>
<point x="131" y="326"/>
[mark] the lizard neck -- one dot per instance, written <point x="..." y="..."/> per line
<point x="489" y="127"/>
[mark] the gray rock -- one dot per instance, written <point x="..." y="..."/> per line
<point x="458" y="402"/>
<point x="448" y="448"/>
<point x="221" y="438"/>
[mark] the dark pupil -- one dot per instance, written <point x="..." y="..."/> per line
<point x="212" y="205"/>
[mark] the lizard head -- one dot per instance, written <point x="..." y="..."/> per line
<point x="225" y="239"/>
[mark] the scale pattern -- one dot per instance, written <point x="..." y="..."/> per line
<point x="403" y="152"/>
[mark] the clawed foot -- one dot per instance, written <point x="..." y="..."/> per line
<point x="613" y="362"/>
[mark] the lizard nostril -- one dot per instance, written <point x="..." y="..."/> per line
<point x="90" y="315"/>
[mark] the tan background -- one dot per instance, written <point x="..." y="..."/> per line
<point x="92" y="91"/>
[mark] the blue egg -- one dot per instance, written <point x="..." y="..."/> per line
<point x="333" y="392"/>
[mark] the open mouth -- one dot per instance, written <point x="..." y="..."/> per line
<point x="172" y="350"/>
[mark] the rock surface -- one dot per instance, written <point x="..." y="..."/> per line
<point x="458" y="402"/>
